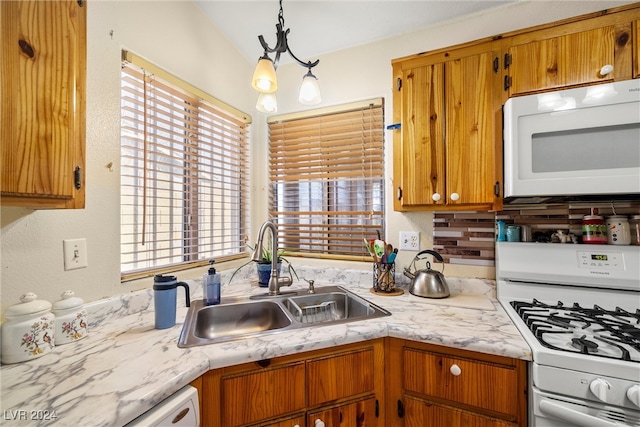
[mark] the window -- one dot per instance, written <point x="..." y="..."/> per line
<point x="327" y="180"/>
<point x="183" y="173"/>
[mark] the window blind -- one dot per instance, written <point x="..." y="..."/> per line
<point x="327" y="181"/>
<point x="184" y="176"/>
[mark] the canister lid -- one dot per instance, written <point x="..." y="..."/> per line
<point x="28" y="305"/>
<point x="68" y="301"/>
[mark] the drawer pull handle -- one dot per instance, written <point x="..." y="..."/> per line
<point x="455" y="370"/>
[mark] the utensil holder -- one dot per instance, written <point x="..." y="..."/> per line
<point x="384" y="277"/>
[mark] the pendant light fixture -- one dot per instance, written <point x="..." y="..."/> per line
<point x="265" y="80"/>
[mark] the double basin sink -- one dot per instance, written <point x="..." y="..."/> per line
<point x="243" y="317"/>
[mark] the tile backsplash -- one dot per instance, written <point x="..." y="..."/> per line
<point x="467" y="237"/>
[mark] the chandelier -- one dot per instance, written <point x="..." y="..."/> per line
<point x="264" y="76"/>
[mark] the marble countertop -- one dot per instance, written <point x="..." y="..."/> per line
<point x="125" y="366"/>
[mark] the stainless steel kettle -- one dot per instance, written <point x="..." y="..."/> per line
<point x="427" y="283"/>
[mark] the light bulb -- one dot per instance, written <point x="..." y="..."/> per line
<point x="309" y="90"/>
<point x="264" y="76"/>
<point x="267" y="103"/>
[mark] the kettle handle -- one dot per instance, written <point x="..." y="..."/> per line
<point x="435" y="254"/>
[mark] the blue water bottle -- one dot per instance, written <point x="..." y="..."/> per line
<point x="164" y="300"/>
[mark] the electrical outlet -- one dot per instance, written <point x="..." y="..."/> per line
<point x="75" y="253"/>
<point x="410" y="240"/>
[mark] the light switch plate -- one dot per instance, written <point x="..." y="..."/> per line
<point x="75" y="253"/>
<point x="410" y="240"/>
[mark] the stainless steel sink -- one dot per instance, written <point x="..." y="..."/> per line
<point x="242" y="317"/>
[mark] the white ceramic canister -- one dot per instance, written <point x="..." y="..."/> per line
<point x="71" y="318"/>
<point x="618" y="230"/>
<point x="29" y="331"/>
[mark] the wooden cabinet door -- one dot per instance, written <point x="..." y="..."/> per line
<point x="340" y="376"/>
<point x="421" y="413"/>
<point x="557" y="62"/>
<point x="421" y="148"/>
<point x="447" y="105"/>
<point x="297" y="421"/>
<point x="357" y="414"/>
<point x="43" y="102"/>
<point x="471" y="140"/>
<point x="261" y="394"/>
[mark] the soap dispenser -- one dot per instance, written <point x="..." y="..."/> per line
<point x="211" y="286"/>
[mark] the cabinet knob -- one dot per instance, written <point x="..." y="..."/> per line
<point x="606" y="69"/>
<point x="455" y="196"/>
<point x="436" y="197"/>
<point x="296" y="425"/>
<point x="319" y="423"/>
<point x="455" y="370"/>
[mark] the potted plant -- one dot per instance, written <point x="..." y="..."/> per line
<point x="264" y="265"/>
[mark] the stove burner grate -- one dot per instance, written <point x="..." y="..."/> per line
<point x="615" y="330"/>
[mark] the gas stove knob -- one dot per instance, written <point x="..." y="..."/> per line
<point x="634" y="395"/>
<point x="600" y="387"/>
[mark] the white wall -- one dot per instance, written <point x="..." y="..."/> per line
<point x="177" y="37"/>
<point x="172" y="34"/>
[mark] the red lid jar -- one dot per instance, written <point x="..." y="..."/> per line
<point x="594" y="230"/>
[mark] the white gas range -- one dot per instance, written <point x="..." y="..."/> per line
<point x="578" y="308"/>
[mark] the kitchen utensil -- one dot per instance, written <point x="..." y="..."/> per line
<point x="164" y="300"/>
<point x="427" y="283"/>
<point x="29" y="330"/>
<point x="71" y="318"/>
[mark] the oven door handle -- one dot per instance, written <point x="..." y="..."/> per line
<point x="571" y="415"/>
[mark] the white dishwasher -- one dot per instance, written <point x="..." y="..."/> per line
<point x="178" y="410"/>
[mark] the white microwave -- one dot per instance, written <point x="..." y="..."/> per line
<point x="574" y="143"/>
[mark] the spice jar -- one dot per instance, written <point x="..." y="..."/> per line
<point x="594" y="230"/>
<point x="71" y="318"/>
<point x="29" y="330"/>
<point x="634" y="225"/>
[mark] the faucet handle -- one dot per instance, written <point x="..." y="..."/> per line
<point x="311" y="288"/>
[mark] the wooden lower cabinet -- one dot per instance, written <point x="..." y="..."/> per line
<point x="383" y="382"/>
<point x="343" y="384"/>
<point x="361" y="413"/>
<point x="422" y="413"/>
<point x="430" y="385"/>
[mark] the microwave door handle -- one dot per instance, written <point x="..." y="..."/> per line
<point x="572" y="416"/>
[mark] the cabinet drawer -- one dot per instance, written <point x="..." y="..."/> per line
<point x="335" y="377"/>
<point x="420" y="413"/>
<point x="481" y="385"/>
<point x="248" y="398"/>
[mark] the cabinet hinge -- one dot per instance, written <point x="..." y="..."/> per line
<point x="496" y="189"/>
<point x="399" y="193"/>
<point x="399" y="84"/>
<point x="507" y="60"/>
<point x="80" y="3"/>
<point x="77" y="178"/>
<point x="377" y="409"/>
<point x="400" y="409"/>
<point x="496" y="65"/>
<point x="507" y="82"/>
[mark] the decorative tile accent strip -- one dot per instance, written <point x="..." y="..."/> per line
<point x="468" y="237"/>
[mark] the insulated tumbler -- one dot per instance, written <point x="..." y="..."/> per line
<point x="164" y="300"/>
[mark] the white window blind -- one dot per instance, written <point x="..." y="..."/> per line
<point x="183" y="176"/>
<point x="327" y="181"/>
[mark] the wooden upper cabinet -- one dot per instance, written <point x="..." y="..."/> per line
<point x="574" y="53"/>
<point x="42" y="89"/>
<point x="447" y="104"/>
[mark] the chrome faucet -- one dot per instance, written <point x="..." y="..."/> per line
<point x="275" y="282"/>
